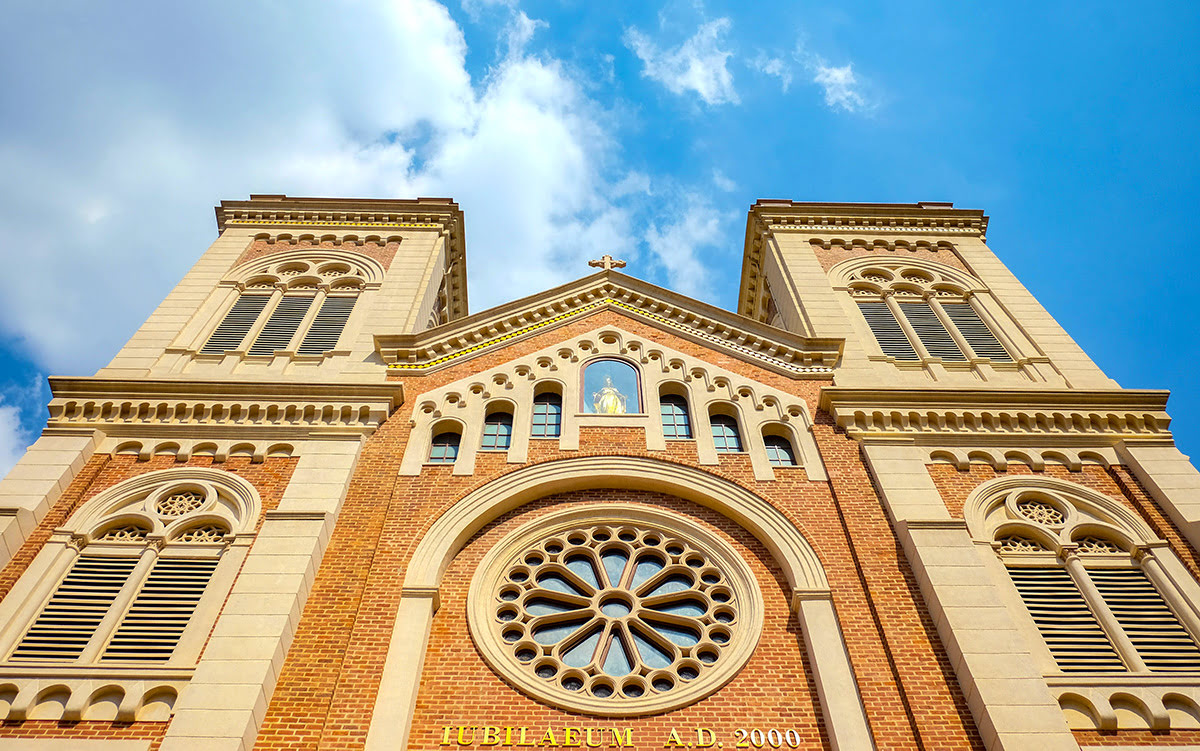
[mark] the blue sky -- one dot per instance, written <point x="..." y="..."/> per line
<point x="568" y="129"/>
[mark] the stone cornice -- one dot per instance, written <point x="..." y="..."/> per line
<point x="779" y="350"/>
<point x="277" y="212"/>
<point x="773" y="216"/>
<point x="267" y="408"/>
<point x="951" y="415"/>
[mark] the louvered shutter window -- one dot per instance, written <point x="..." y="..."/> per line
<point x="69" y="620"/>
<point x="161" y="611"/>
<point x="931" y="332"/>
<point x="236" y="324"/>
<point x="1070" y="630"/>
<point x="887" y="331"/>
<point x="976" y="332"/>
<point x="1160" y="639"/>
<point x="282" y="324"/>
<point x="327" y="327"/>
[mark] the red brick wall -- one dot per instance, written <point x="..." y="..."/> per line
<point x="326" y="691"/>
<point x="86" y="730"/>
<point x="382" y="252"/>
<point x="838" y="253"/>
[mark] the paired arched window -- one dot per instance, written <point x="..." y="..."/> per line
<point x="497" y="431"/>
<point x="1091" y="575"/>
<point x="444" y="447"/>
<point x="917" y="313"/>
<point x="726" y="437"/>
<point x="140" y="568"/>
<point x="676" y="423"/>
<point x="547" y="416"/>
<point x="293" y="305"/>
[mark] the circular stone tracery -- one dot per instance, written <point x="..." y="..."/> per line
<point x="616" y="618"/>
<point x="179" y="503"/>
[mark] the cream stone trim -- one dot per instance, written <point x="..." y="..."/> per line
<point x="42" y="692"/>
<point x="742" y="632"/>
<point x="1169" y="477"/>
<point x="758" y="407"/>
<point x="766" y="346"/>
<point x="1034" y="457"/>
<point x="1095" y="418"/>
<point x="1124" y="702"/>
<point x="174" y="409"/>
<point x="357" y="267"/>
<point x="75" y="744"/>
<point x="362" y="215"/>
<point x="394" y="705"/>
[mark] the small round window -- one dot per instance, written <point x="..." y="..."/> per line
<point x="615" y="612"/>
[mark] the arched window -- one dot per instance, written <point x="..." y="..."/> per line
<point x="610" y="387"/>
<point x="675" y="420"/>
<point x="1091" y="575"/>
<point x="444" y="448"/>
<point x="725" y="434"/>
<point x="497" y="431"/>
<point x="547" y="416"/>
<point x="143" y="556"/>
<point x="779" y="451"/>
<point x="918" y="312"/>
<point x="294" y="304"/>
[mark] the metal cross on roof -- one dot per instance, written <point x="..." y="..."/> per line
<point x="608" y="262"/>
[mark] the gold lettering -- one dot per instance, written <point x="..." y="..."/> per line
<point x="549" y="734"/>
<point x="508" y="736"/>
<point x="491" y="736"/>
<point x="702" y="741"/>
<point x="470" y="740"/>
<point x="522" y="742"/>
<point x="598" y="740"/>
<point x="617" y="742"/>
<point x="570" y="736"/>
<point x="673" y="740"/>
<point x="446" y="735"/>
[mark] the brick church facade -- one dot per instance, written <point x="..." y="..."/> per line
<point x="316" y="503"/>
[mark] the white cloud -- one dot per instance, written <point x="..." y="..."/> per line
<point x="13" y="439"/>
<point x="773" y="66"/>
<point x="722" y="182"/>
<point x="678" y="244"/>
<point x="841" y="88"/>
<point x="697" y="65"/>
<point x="127" y="136"/>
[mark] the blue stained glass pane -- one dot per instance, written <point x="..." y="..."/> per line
<point x="677" y="634"/>
<point x="545" y="607"/>
<point x="614" y="565"/>
<point x="671" y="585"/>
<point x="555" y="633"/>
<point x="617" y="662"/>
<point x="582" y="567"/>
<point x="652" y="654"/>
<point x="646" y="568"/>
<point x="581" y="654"/>
<point x="686" y="607"/>
<point x="558" y="584"/>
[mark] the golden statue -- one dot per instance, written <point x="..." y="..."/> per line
<point x="608" y="401"/>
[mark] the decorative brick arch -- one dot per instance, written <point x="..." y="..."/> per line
<point x="845" y="719"/>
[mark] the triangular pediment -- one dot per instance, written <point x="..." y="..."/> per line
<point x="741" y="337"/>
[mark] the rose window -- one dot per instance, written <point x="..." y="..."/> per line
<point x="609" y="618"/>
<point x="180" y="503"/>
<point x="1041" y="512"/>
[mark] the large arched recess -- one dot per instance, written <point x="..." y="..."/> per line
<point x="845" y="719"/>
<point x="479" y="507"/>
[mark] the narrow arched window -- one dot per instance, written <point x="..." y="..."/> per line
<point x="444" y="449"/>
<point x="675" y="420"/>
<point x="547" y="416"/>
<point x="725" y="434"/>
<point x="611" y="387"/>
<point x="497" y="431"/>
<point x="779" y="451"/>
